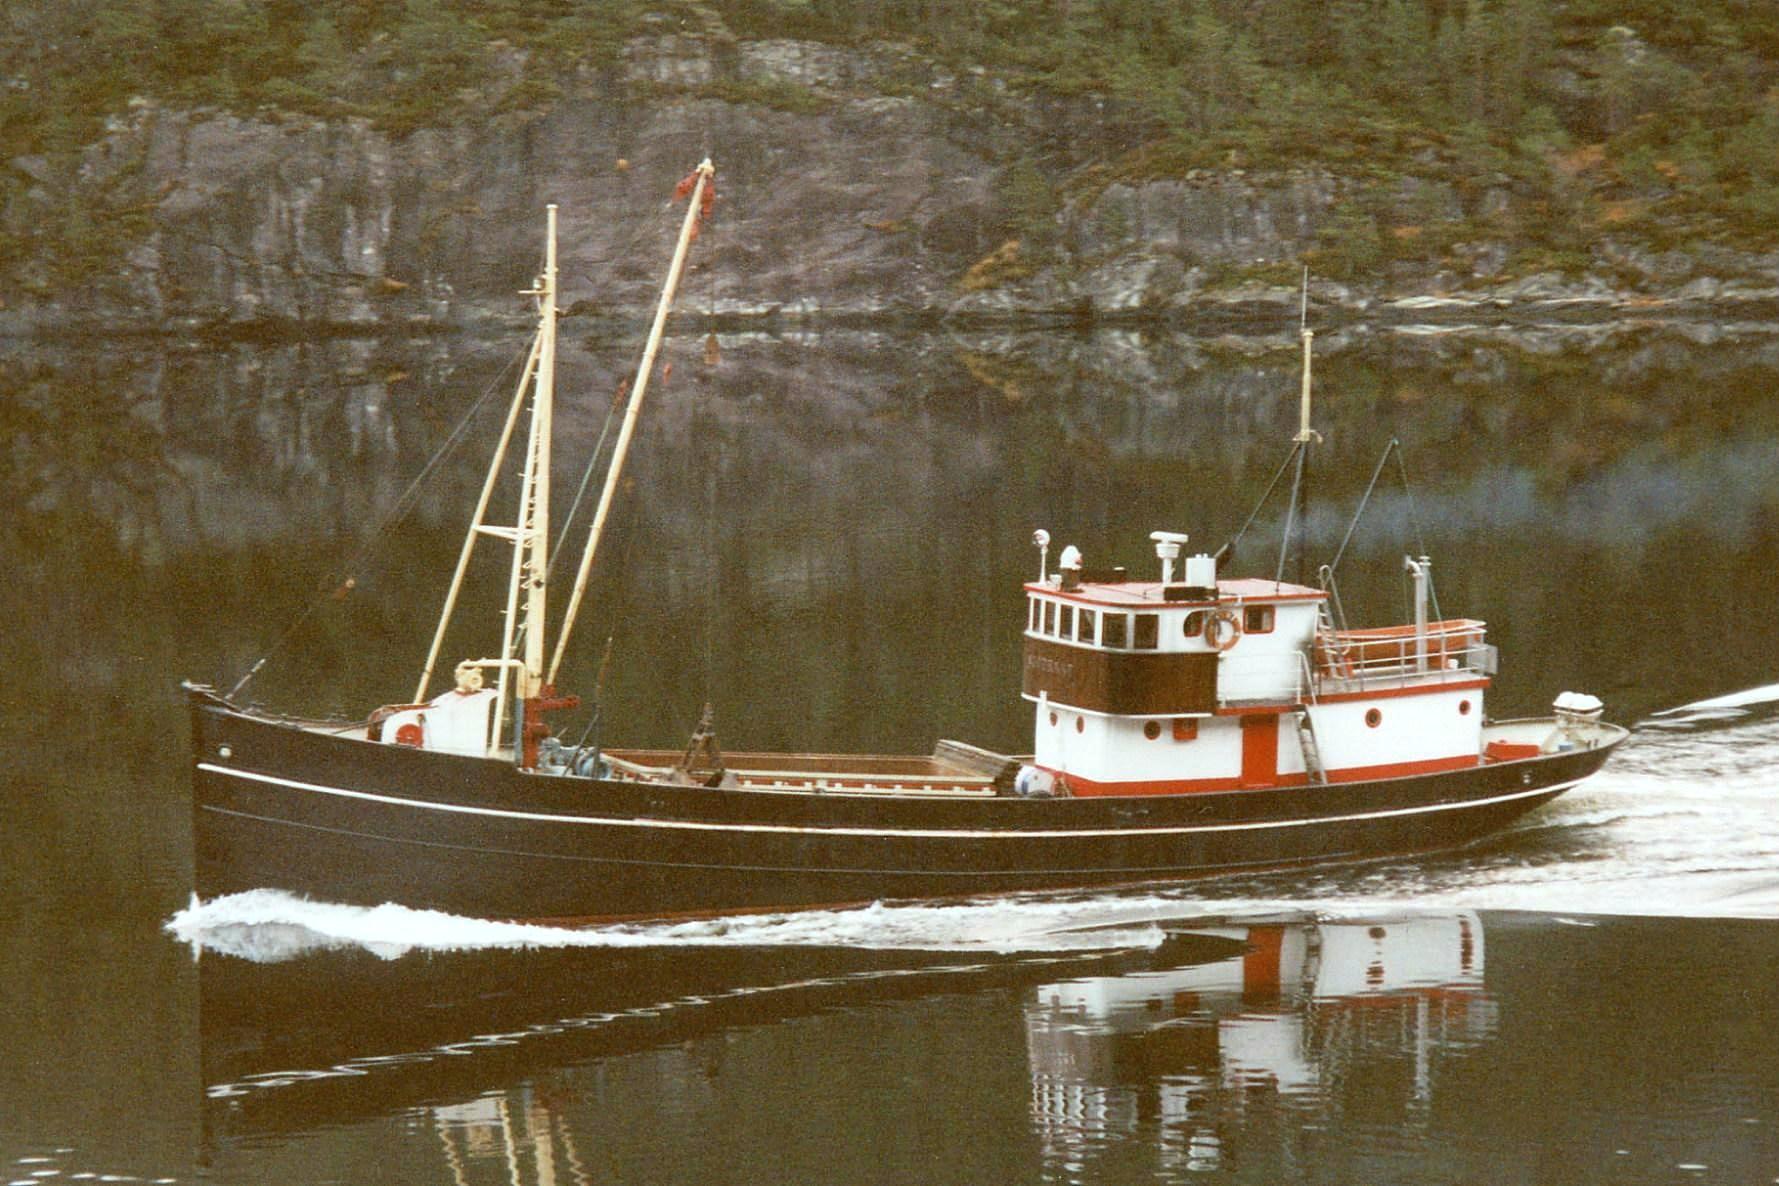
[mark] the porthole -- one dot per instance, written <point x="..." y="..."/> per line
<point x="1053" y="720"/>
<point x="1080" y="724"/>
<point x="1463" y="708"/>
<point x="1151" y="729"/>
<point x="1373" y="718"/>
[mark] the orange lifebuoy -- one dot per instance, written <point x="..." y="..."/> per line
<point x="1224" y="630"/>
<point x="411" y="734"/>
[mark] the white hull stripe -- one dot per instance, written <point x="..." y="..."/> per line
<point x="922" y="833"/>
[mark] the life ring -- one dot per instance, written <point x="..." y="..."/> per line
<point x="1224" y="630"/>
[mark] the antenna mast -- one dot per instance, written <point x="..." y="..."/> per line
<point x="1294" y="514"/>
<point x="1304" y="432"/>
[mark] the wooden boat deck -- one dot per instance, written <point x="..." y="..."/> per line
<point x="954" y="768"/>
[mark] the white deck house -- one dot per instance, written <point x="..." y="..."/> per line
<point x="1157" y="687"/>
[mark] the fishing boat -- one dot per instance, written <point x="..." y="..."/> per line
<point x="1184" y="724"/>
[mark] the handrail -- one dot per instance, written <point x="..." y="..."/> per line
<point x="1451" y="647"/>
<point x="1306" y="679"/>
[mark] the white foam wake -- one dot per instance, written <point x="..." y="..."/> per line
<point x="270" y="925"/>
<point x="1721" y="707"/>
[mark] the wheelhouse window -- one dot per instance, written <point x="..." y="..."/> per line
<point x="1050" y="617"/>
<point x="1085" y="625"/>
<point x="1146" y="631"/>
<point x="1194" y="625"/>
<point x="1032" y="613"/>
<point x="1067" y="627"/>
<point x="1257" y="619"/>
<point x="1114" y="629"/>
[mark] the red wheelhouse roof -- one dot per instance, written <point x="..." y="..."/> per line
<point x="1151" y="594"/>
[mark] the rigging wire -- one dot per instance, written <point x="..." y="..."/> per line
<point x="1408" y="494"/>
<point x="611" y="414"/>
<point x="631" y="531"/>
<point x="712" y="358"/>
<point x="1364" y="499"/>
<point x="409" y="499"/>
<point x="593" y="467"/>
<point x="1229" y="548"/>
<point x="663" y="376"/>
<point x="624" y="251"/>
<point x="1303" y="453"/>
<point x="398" y="510"/>
<point x="710" y="582"/>
<point x="1393" y="448"/>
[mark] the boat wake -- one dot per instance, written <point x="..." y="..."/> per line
<point x="268" y="925"/>
<point x="1683" y="822"/>
<point x="1732" y="707"/>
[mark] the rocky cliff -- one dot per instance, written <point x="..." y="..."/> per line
<point x="855" y="184"/>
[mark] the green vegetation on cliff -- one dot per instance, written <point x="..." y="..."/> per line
<point x="1654" y="120"/>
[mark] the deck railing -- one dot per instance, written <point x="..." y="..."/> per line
<point x="1395" y="655"/>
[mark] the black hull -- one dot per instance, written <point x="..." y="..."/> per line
<point x="282" y="807"/>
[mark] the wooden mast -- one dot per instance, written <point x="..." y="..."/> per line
<point x="539" y="366"/>
<point x="531" y="536"/>
<point x="638" y="389"/>
<point x="537" y="562"/>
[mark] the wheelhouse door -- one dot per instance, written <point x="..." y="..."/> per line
<point x="1260" y="750"/>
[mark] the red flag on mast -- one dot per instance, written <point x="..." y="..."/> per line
<point x="706" y="203"/>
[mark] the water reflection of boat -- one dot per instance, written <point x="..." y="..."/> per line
<point x="1182" y="726"/>
<point x="336" y="1037"/>
<point x="511" y="1138"/>
<point x="1293" y="1013"/>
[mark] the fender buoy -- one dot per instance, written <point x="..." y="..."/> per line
<point x="1224" y="630"/>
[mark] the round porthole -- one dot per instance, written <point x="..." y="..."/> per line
<point x="1080" y="724"/>
<point x="1463" y="708"/>
<point x="1053" y="720"/>
<point x="1151" y="729"/>
<point x="1373" y="718"/>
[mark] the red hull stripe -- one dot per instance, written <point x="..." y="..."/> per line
<point x="1401" y="769"/>
<point x="844" y="830"/>
<point x="1130" y="603"/>
<point x="1086" y="788"/>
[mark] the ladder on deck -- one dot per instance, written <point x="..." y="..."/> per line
<point x="1312" y="752"/>
<point x="1328" y="639"/>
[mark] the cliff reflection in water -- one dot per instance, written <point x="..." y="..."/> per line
<point x="1300" y="1016"/>
<point x="806" y="488"/>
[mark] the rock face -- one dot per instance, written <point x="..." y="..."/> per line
<point x="854" y="184"/>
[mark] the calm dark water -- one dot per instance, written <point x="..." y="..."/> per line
<point x="825" y="541"/>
